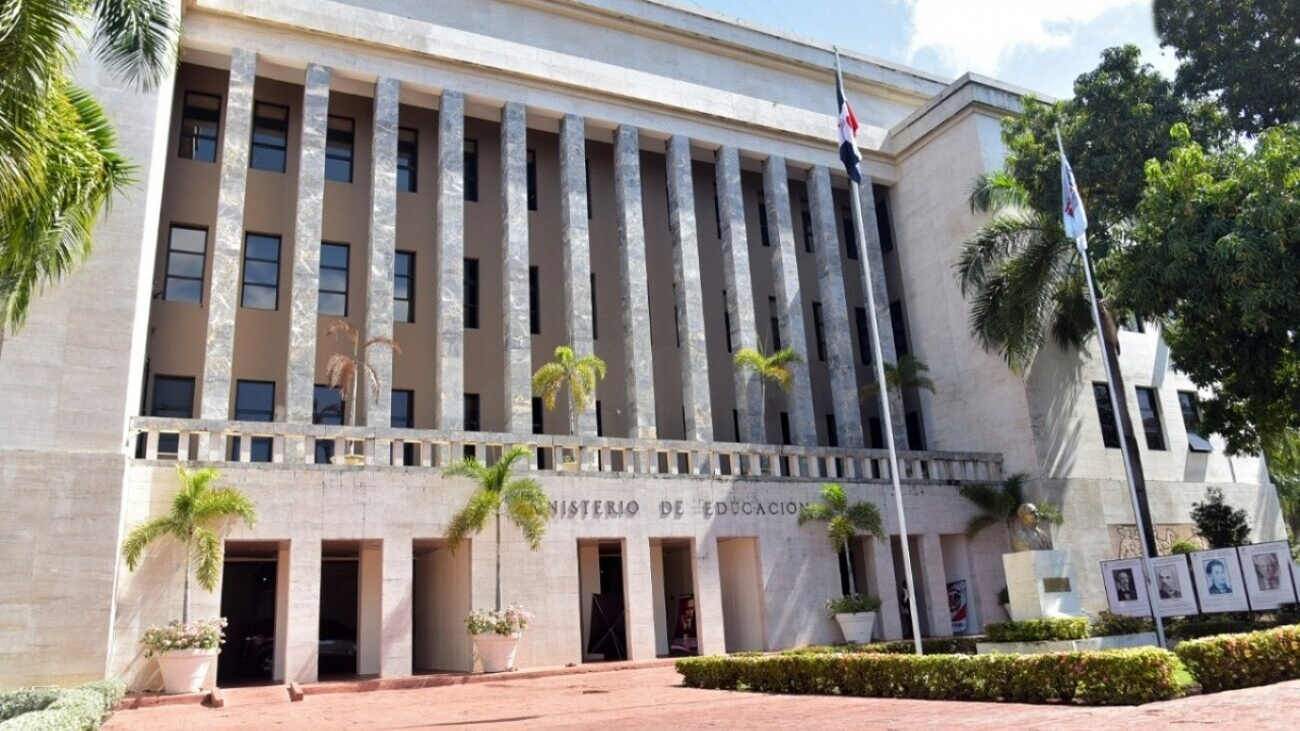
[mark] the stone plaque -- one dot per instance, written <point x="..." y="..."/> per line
<point x="1056" y="585"/>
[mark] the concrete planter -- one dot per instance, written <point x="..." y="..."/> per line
<point x="496" y="652"/>
<point x="857" y="627"/>
<point x="184" y="671"/>
<point x="1114" y="642"/>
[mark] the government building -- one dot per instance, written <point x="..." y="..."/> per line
<point x="483" y="182"/>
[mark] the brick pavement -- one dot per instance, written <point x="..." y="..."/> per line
<point x="646" y="697"/>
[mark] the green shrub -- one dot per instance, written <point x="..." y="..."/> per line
<point x="1037" y="630"/>
<point x="1184" y="545"/>
<point x="1243" y="660"/>
<point x="79" y="709"/>
<point x="1108" y="624"/>
<point x="1115" y="677"/>
<point x="929" y="645"/>
<point x="1212" y="625"/>
<point x="25" y="700"/>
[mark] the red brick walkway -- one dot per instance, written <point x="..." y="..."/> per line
<point x="652" y="697"/>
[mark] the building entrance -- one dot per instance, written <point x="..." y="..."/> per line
<point x="740" y="581"/>
<point x="672" y="574"/>
<point x="249" y="599"/>
<point x="603" y="594"/>
<point x="439" y="605"/>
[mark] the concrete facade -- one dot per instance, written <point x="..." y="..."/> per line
<point x="652" y="160"/>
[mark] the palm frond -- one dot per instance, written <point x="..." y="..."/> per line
<point x="979" y="523"/>
<point x="225" y="502"/>
<point x="547" y="382"/>
<point x="814" y="511"/>
<point x="144" y="534"/>
<point x="866" y="518"/>
<point x="995" y="190"/>
<point x="206" y="555"/>
<point x="472" y="518"/>
<point x="468" y="467"/>
<point x="527" y="507"/>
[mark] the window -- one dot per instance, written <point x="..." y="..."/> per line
<point x="595" y="331"/>
<point x="532" y="180"/>
<point x="254" y="401"/>
<point x="775" y="322"/>
<point x="806" y="219"/>
<point x="600" y="421"/>
<point x="200" y="122"/>
<point x="1149" y="406"/>
<point x="915" y="433"/>
<point x="717" y="214"/>
<point x="261" y="272"/>
<point x="1192" y="421"/>
<point x="471" y="412"/>
<point x="471" y="170"/>
<point x="883" y="225"/>
<point x="819" y="330"/>
<point x="332" y="298"/>
<point x="402" y="416"/>
<point x="735" y="423"/>
<point x="270" y="137"/>
<point x="726" y="319"/>
<point x="408" y="158"/>
<point x="677" y="325"/>
<point x="404" y="287"/>
<point x="850" y="237"/>
<point x="875" y="433"/>
<point x="539" y="422"/>
<point x="785" y="428"/>
<point x="326" y="408"/>
<point x="173" y="397"/>
<point x="338" y="148"/>
<point x="534" y="302"/>
<point x="900" y="328"/>
<point x="186" y="249"/>
<point x="1106" y="415"/>
<point x="587" y="180"/>
<point x="762" y="225"/>
<point x="864" y="334"/>
<point x="832" y="433"/>
<point x="470" y="293"/>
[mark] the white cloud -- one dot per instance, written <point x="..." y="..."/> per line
<point x="970" y="35"/>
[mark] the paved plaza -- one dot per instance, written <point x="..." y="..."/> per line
<point x="652" y="697"/>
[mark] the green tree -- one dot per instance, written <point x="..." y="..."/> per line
<point x="345" y="372"/>
<point x="1283" y="456"/>
<point x="1243" y="53"/>
<point x="777" y="368"/>
<point x="58" y="164"/>
<point x="844" y="520"/>
<point x="1221" y="525"/>
<point x="579" y="375"/>
<point x="522" y="499"/>
<point x="197" y="508"/>
<point x="909" y="372"/>
<point x="999" y="503"/>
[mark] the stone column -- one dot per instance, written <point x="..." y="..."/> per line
<point x="383" y="242"/>
<point x="640" y="599"/>
<point x="887" y="587"/>
<point x="789" y="298"/>
<point x="635" y="286"/>
<point x="228" y="239"/>
<point x="710" y="624"/>
<point x="740" y="292"/>
<point x="836" y="322"/>
<point x="514" y="270"/>
<point x="450" y="327"/>
<point x="370" y="611"/>
<point x="300" y="379"/>
<point x="302" y="620"/>
<point x="577" y="254"/>
<point x="873" y="267"/>
<point x="935" y="585"/>
<point x="690" y="298"/>
<point x="396" y="659"/>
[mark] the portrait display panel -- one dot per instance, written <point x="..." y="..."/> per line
<point x="1126" y="591"/>
<point x="1175" y="594"/>
<point x="1268" y="582"/>
<point x="1218" y="579"/>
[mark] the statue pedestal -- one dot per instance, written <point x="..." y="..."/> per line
<point x="1041" y="585"/>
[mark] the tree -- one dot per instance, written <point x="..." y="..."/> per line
<point x="58" y="165"/>
<point x="999" y="503"/>
<point x="1283" y="456"/>
<point x="196" y="508"/>
<point x="344" y="372"/>
<point x="522" y="499"/>
<point x="1219" y="524"/>
<point x="776" y="368"/>
<point x="908" y="372"/>
<point x="1216" y="259"/>
<point x="1244" y="53"/>
<point x="844" y="520"/>
<point x="579" y="375"/>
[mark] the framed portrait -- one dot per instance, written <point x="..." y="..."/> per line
<point x="1175" y="594"/>
<point x="1218" y="578"/>
<point x="1268" y="582"/>
<point x="1126" y="591"/>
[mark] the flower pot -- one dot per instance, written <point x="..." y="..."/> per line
<point x="857" y="627"/>
<point x="569" y="466"/>
<point x="184" y="671"/>
<point x="496" y="652"/>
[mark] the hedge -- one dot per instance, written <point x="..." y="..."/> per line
<point x="929" y="645"/>
<point x="1036" y="630"/>
<point x="1245" y="660"/>
<point x="1115" y="677"/>
<point x="59" y="709"/>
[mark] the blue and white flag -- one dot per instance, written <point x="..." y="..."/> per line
<point x="1076" y="220"/>
<point x="848" y="135"/>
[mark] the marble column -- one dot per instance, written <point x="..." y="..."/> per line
<point x="690" y="298"/>
<point x="873" y="273"/>
<point x="514" y="270"/>
<point x="228" y="239"/>
<point x="740" y="292"/>
<point x="634" y="284"/>
<point x="935" y="585"/>
<point x="383" y="242"/>
<point x="396" y="658"/>
<point x="887" y="587"/>
<point x="789" y="298"/>
<point x="302" y="618"/>
<point x="577" y="254"/>
<point x="450" y="327"/>
<point x="300" y="378"/>
<point x="836" y="323"/>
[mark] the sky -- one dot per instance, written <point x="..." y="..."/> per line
<point x="1042" y="45"/>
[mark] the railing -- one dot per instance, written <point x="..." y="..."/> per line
<point x="296" y="444"/>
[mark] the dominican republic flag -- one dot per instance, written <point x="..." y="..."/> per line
<point x="1076" y="220"/>
<point x="848" y="135"/>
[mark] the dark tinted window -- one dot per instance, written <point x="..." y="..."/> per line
<point x="200" y="123"/>
<point x="186" y="251"/>
<point x="333" y="293"/>
<point x="339" y="134"/>
<point x="261" y="272"/>
<point x="270" y="137"/>
<point x="408" y="157"/>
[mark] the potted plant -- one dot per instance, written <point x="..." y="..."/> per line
<point x="344" y="372"/>
<point x="856" y="613"/>
<point x="579" y="375"/>
<point x="496" y="634"/>
<point x="186" y="650"/>
<point x="777" y="368"/>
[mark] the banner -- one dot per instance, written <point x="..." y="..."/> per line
<point x="957" y="605"/>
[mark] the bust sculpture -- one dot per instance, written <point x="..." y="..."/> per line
<point x="1026" y="533"/>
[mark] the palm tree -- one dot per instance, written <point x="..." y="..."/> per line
<point x="908" y="372"/>
<point x="776" y="368"/>
<point x="999" y="503"/>
<point x="579" y="375"/>
<point x="344" y="372"/>
<point x="843" y="520"/>
<point x="522" y="498"/>
<point x="196" y="507"/>
<point x="58" y="165"/>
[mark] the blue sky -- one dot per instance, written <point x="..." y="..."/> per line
<point x="1041" y="45"/>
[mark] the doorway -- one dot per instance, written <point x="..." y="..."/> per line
<point x="603" y="597"/>
<point x="249" y="599"/>
<point x="672" y="575"/>
<point x="740" y="581"/>
<point x="440" y="602"/>
<point x="339" y="585"/>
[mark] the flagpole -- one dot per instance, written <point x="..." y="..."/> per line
<point x="882" y="390"/>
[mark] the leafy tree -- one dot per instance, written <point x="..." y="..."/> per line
<point x="522" y="499"/>
<point x="776" y="368"/>
<point x="999" y="503"/>
<point x="58" y="164"/>
<point x="196" y="508"/>
<point x="1219" y="524"/>
<point x="1282" y="454"/>
<point x="579" y="375"/>
<point x="908" y="372"/>
<point x="1216" y="259"/>
<point x="344" y="372"/>
<point x="1244" y="53"/>
<point x="844" y="520"/>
